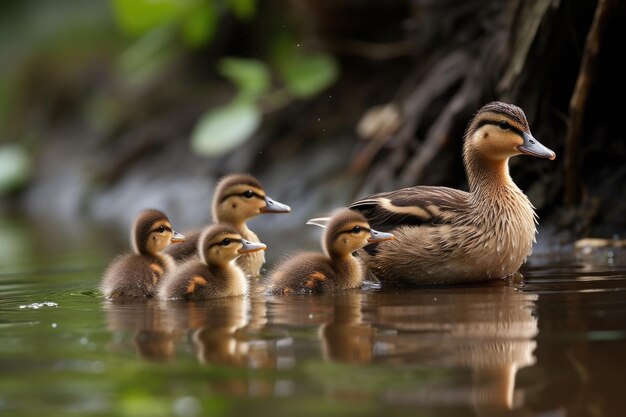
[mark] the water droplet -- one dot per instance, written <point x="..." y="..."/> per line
<point x="36" y="306"/>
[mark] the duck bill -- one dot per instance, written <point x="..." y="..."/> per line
<point x="249" y="247"/>
<point x="379" y="236"/>
<point x="273" y="206"/>
<point x="177" y="237"/>
<point x="533" y="147"/>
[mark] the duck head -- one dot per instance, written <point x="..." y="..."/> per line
<point x="240" y="197"/>
<point x="221" y="243"/>
<point x="152" y="232"/>
<point x="348" y="231"/>
<point x="500" y="131"/>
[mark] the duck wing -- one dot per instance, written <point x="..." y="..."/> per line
<point x="413" y="206"/>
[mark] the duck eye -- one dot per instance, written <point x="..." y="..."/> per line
<point x="248" y="194"/>
<point x="226" y="242"/>
<point x="161" y="229"/>
<point x="504" y="125"/>
<point x="356" y="229"/>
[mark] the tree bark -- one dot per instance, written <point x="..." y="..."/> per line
<point x="578" y="101"/>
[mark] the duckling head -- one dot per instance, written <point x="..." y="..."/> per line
<point x="500" y="131"/>
<point x="239" y="197"/>
<point x="221" y="243"/>
<point x="152" y="232"/>
<point x="348" y="231"/>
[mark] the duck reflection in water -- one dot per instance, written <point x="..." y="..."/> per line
<point x="151" y="339"/>
<point x="488" y="331"/>
<point x="215" y="329"/>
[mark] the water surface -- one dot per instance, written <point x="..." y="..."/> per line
<point x="550" y="346"/>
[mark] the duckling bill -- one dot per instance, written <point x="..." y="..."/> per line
<point x="137" y="274"/>
<point x="448" y="236"/>
<point x="237" y="199"/>
<point x="214" y="273"/>
<point x="336" y="269"/>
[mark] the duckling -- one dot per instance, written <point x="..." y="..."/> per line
<point x="237" y="199"/>
<point x="448" y="236"/>
<point x="215" y="273"/>
<point x="137" y="274"/>
<point x="337" y="269"/>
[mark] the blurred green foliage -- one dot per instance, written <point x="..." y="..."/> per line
<point x="251" y="76"/>
<point x="195" y="20"/>
<point x="222" y="129"/>
<point x="108" y="54"/>
<point x="15" y="168"/>
<point x="304" y="75"/>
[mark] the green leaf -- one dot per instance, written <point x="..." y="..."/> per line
<point x="251" y="76"/>
<point x="137" y="17"/>
<point x="223" y="129"/>
<point x="200" y="26"/>
<point x="243" y="9"/>
<point x="147" y="57"/>
<point x="307" y="75"/>
<point x="15" y="168"/>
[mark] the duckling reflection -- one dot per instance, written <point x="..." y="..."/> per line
<point x="487" y="330"/>
<point x="345" y="338"/>
<point x="217" y="339"/>
<point x="144" y="320"/>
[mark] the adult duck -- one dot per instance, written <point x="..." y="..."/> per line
<point x="449" y="236"/>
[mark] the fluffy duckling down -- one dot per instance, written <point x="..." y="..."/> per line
<point x="137" y="274"/>
<point x="214" y="273"/>
<point x="237" y="199"/>
<point x="346" y="231"/>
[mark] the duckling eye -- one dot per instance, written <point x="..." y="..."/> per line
<point x="161" y="229"/>
<point x="504" y="125"/>
<point x="248" y="194"/>
<point x="356" y="229"/>
<point x="226" y="242"/>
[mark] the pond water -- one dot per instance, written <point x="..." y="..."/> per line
<point x="552" y="345"/>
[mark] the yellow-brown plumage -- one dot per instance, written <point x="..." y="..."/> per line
<point x="447" y="236"/>
<point x="237" y="199"/>
<point x="337" y="269"/>
<point x="137" y="274"/>
<point x="213" y="273"/>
